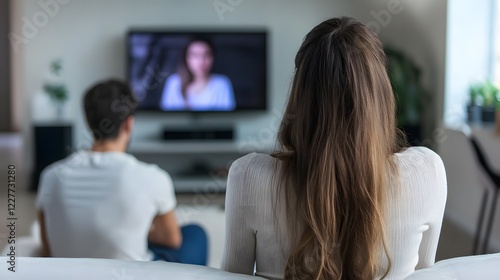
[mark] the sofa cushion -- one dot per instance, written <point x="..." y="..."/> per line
<point x="484" y="267"/>
<point x="101" y="269"/>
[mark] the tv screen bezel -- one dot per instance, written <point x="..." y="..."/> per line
<point x="202" y="31"/>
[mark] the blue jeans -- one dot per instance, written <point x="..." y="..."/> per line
<point x="194" y="248"/>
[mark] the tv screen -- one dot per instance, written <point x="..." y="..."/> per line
<point x="198" y="71"/>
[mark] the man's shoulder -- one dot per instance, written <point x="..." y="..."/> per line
<point x="148" y="170"/>
<point x="120" y="162"/>
<point x="62" y="165"/>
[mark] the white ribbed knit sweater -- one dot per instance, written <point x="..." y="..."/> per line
<point x="257" y="239"/>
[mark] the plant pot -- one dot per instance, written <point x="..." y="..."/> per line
<point x="488" y="114"/>
<point x="498" y="122"/>
<point x="473" y="114"/>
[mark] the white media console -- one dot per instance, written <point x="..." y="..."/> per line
<point x="195" y="166"/>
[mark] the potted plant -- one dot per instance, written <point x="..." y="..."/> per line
<point x="483" y="102"/>
<point x="498" y="117"/>
<point x="410" y="95"/>
<point x="55" y="88"/>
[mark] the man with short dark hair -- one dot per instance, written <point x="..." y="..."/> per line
<point x="104" y="203"/>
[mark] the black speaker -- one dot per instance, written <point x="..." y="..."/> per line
<point x="52" y="143"/>
<point x="198" y="134"/>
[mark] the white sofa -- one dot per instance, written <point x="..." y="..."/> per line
<point x="484" y="267"/>
<point x="100" y="269"/>
<point x="30" y="267"/>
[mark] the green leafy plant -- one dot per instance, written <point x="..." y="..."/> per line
<point x="406" y="83"/>
<point x="484" y="94"/>
<point x="57" y="91"/>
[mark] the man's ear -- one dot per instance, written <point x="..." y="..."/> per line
<point x="128" y="124"/>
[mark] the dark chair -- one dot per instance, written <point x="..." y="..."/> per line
<point x="495" y="178"/>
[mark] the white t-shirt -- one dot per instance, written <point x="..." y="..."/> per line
<point x="101" y="205"/>
<point x="255" y="237"/>
<point x="218" y="95"/>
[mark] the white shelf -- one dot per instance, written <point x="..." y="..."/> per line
<point x="201" y="185"/>
<point x="178" y="156"/>
<point x="192" y="147"/>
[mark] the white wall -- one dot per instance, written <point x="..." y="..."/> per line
<point x="418" y="28"/>
<point x="89" y="37"/>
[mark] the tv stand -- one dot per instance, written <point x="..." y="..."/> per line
<point x="195" y="166"/>
<point x="200" y="133"/>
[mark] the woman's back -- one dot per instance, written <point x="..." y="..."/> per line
<point x="257" y="229"/>
<point x="339" y="212"/>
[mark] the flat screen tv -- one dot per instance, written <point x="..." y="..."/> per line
<point x="179" y="71"/>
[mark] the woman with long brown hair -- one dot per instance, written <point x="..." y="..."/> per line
<point x="342" y="198"/>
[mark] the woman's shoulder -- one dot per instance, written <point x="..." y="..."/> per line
<point x="173" y="78"/>
<point x="252" y="162"/>
<point x="220" y="79"/>
<point x="418" y="155"/>
<point x="422" y="167"/>
<point x="253" y="170"/>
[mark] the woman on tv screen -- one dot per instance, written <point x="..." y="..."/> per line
<point x="195" y="87"/>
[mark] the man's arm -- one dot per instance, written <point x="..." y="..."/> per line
<point x="165" y="231"/>
<point x="45" y="250"/>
